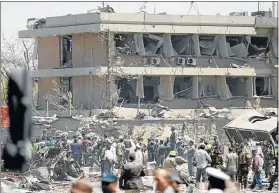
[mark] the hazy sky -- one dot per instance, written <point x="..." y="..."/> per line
<point x="14" y="15"/>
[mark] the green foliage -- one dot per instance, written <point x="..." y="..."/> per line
<point x="4" y="91"/>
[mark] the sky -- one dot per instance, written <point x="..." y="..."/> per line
<point x="14" y="15"/>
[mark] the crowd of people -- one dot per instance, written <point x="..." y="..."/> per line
<point x="131" y="156"/>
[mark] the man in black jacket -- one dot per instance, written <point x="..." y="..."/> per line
<point x="130" y="179"/>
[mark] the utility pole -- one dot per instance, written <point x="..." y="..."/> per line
<point x="258" y="6"/>
<point x="108" y="81"/>
<point x="103" y="3"/>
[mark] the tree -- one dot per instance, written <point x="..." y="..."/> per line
<point x="16" y="54"/>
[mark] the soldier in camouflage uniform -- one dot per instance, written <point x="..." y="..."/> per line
<point x="268" y="157"/>
<point x="244" y="162"/>
<point x="160" y="154"/>
<point x="120" y="152"/>
<point x="217" y="159"/>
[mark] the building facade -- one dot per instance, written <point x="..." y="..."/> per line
<point x="182" y="60"/>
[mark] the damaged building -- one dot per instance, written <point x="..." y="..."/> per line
<point x="112" y="57"/>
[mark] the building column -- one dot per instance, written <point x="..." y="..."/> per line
<point x="223" y="90"/>
<point x="140" y="88"/>
<point x="222" y="49"/>
<point x="274" y="86"/>
<point x="139" y="44"/>
<point x="195" y="87"/>
<point x="196" y="41"/>
<point x="166" y="87"/>
<point x="250" y="87"/>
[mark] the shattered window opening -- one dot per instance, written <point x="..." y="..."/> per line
<point x="183" y="44"/>
<point x="125" y="44"/>
<point x="263" y="86"/>
<point x="207" y="45"/>
<point x="207" y="87"/>
<point x="237" y="86"/>
<point x="182" y="87"/>
<point x="150" y="86"/>
<point x="258" y="46"/>
<point x="127" y="90"/>
<point x="66" y="51"/>
<point x="65" y="88"/>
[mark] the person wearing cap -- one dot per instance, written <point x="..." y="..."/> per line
<point x="170" y="163"/>
<point x="109" y="183"/>
<point x="219" y="181"/>
<point x="175" y="181"/>
<point x="190" y="157"/>
<point x="131" y="173"/>
<point x="202" y="157"/>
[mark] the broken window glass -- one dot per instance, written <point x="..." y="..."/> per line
<point x="258" y="46"/>
<point x="207" y="87"/>
<point x="182" y="87"/>
<point x="237" y="86"/>
<point x="125" y="44"/>
<point x="66" y="51"/>
<point x="207" y="45"/>
<point x="263" y="86"/>
<point x="153" y="44"/>
<point x="150" y="85"/>
<point x="127" y="90"/>
<point x="183" y="44"/>
<point x="65" y="88"/>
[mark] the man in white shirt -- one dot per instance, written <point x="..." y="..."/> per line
<point x="139" y="155"/>
<point x="201" y="158"/>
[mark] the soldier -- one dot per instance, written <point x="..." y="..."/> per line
<point x="151" y="150"/>
<point x="160" y="154"/>
<point x="167" y="148"/>
<point x="120" y="152"/>
<point x="244" y="161"/>
<point x="267" y="158"/>
<point x="217" y="159"/>
<point x="172" y="139"/>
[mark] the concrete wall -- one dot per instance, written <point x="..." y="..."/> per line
<point x="88" y="91"/>
<point x="87" y="47"/>
<point x="48" y="57"/>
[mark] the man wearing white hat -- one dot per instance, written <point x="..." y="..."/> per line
<point x="219" y="182"/>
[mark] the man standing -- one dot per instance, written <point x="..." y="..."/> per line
<point x="244" y="162"/>
<point x="217" y="159"/>
<point x="216" y="143"/>
<point x="120" y="152"/>
<point x="190" y="157"/>
<point x="173" y="140"/>
<point x="232" y="163"/>
<point x="274" y="177"/>
<point x="202" y="157"/>
<point x="131" y="173"/>
<point x="139" y="154"/>
<point x="160" y="154"/>
<point x="76" y="151"/>
<point x="257" y="166"/>
<point x="267" y="158"/>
